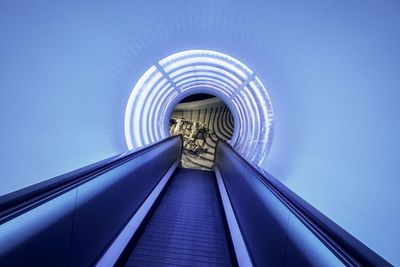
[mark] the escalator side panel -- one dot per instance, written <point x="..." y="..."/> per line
<point x="41" y="236"/>
<point x="273" y="233"/>
<point x="104" y="205"/>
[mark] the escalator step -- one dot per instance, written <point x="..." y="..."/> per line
<point x="187" y="227"/>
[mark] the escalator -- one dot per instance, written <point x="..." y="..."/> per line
<point x="187" y="227"/>
<point x="141" y="209"/>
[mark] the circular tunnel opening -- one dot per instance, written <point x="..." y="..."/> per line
<point x="175" y="79"/>
<point x="202" y="120"/>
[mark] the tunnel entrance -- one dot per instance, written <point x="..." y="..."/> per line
<point x="203" y="120"/>
<point x="190" y="72"/>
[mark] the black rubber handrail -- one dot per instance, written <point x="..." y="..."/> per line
<point x="24" y="199"/>
<point x="349" y="249"/>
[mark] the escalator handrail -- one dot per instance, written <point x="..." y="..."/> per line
<point x="343" y="243"/>
<point x="27" y="198"/>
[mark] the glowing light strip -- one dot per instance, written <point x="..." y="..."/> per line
<point x="208" y="54"/>
<point x="205" y="83"/>
<point x="201" y="79"/>
<point x="149" y="108"/>
<point x="207" y="74"/>
<point x="161" y="86"/>
<point x="210" y="61"/>
<point x="129" y="107"/>
<point x="206" y="68"/>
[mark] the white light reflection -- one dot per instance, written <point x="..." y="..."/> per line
<point x="153" y="97"/>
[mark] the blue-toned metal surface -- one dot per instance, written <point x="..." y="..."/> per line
<point x="305" y="248"/>
<point x="32" y="194"/>
<point x="187" y="227"/>
<point x="41" y="236"/>
<point x="104" y="205"/>
<point x="341" y="237"/>
<point x="74" y="224"/>
<point x="263" y="219"/>
<point x="280" y="229"/>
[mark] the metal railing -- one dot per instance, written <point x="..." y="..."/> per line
<point x="300" y="233"/>
<point x="72" y="219"/>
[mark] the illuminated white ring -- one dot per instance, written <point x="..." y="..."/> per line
<point x="166" y="83"/>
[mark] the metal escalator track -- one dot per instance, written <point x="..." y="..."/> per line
<point x="138" y="209"/>
<point x="187" y="227"/>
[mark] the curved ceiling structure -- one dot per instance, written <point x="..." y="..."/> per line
<point x="155" y="95"/>
<point x="331" y="69"/>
